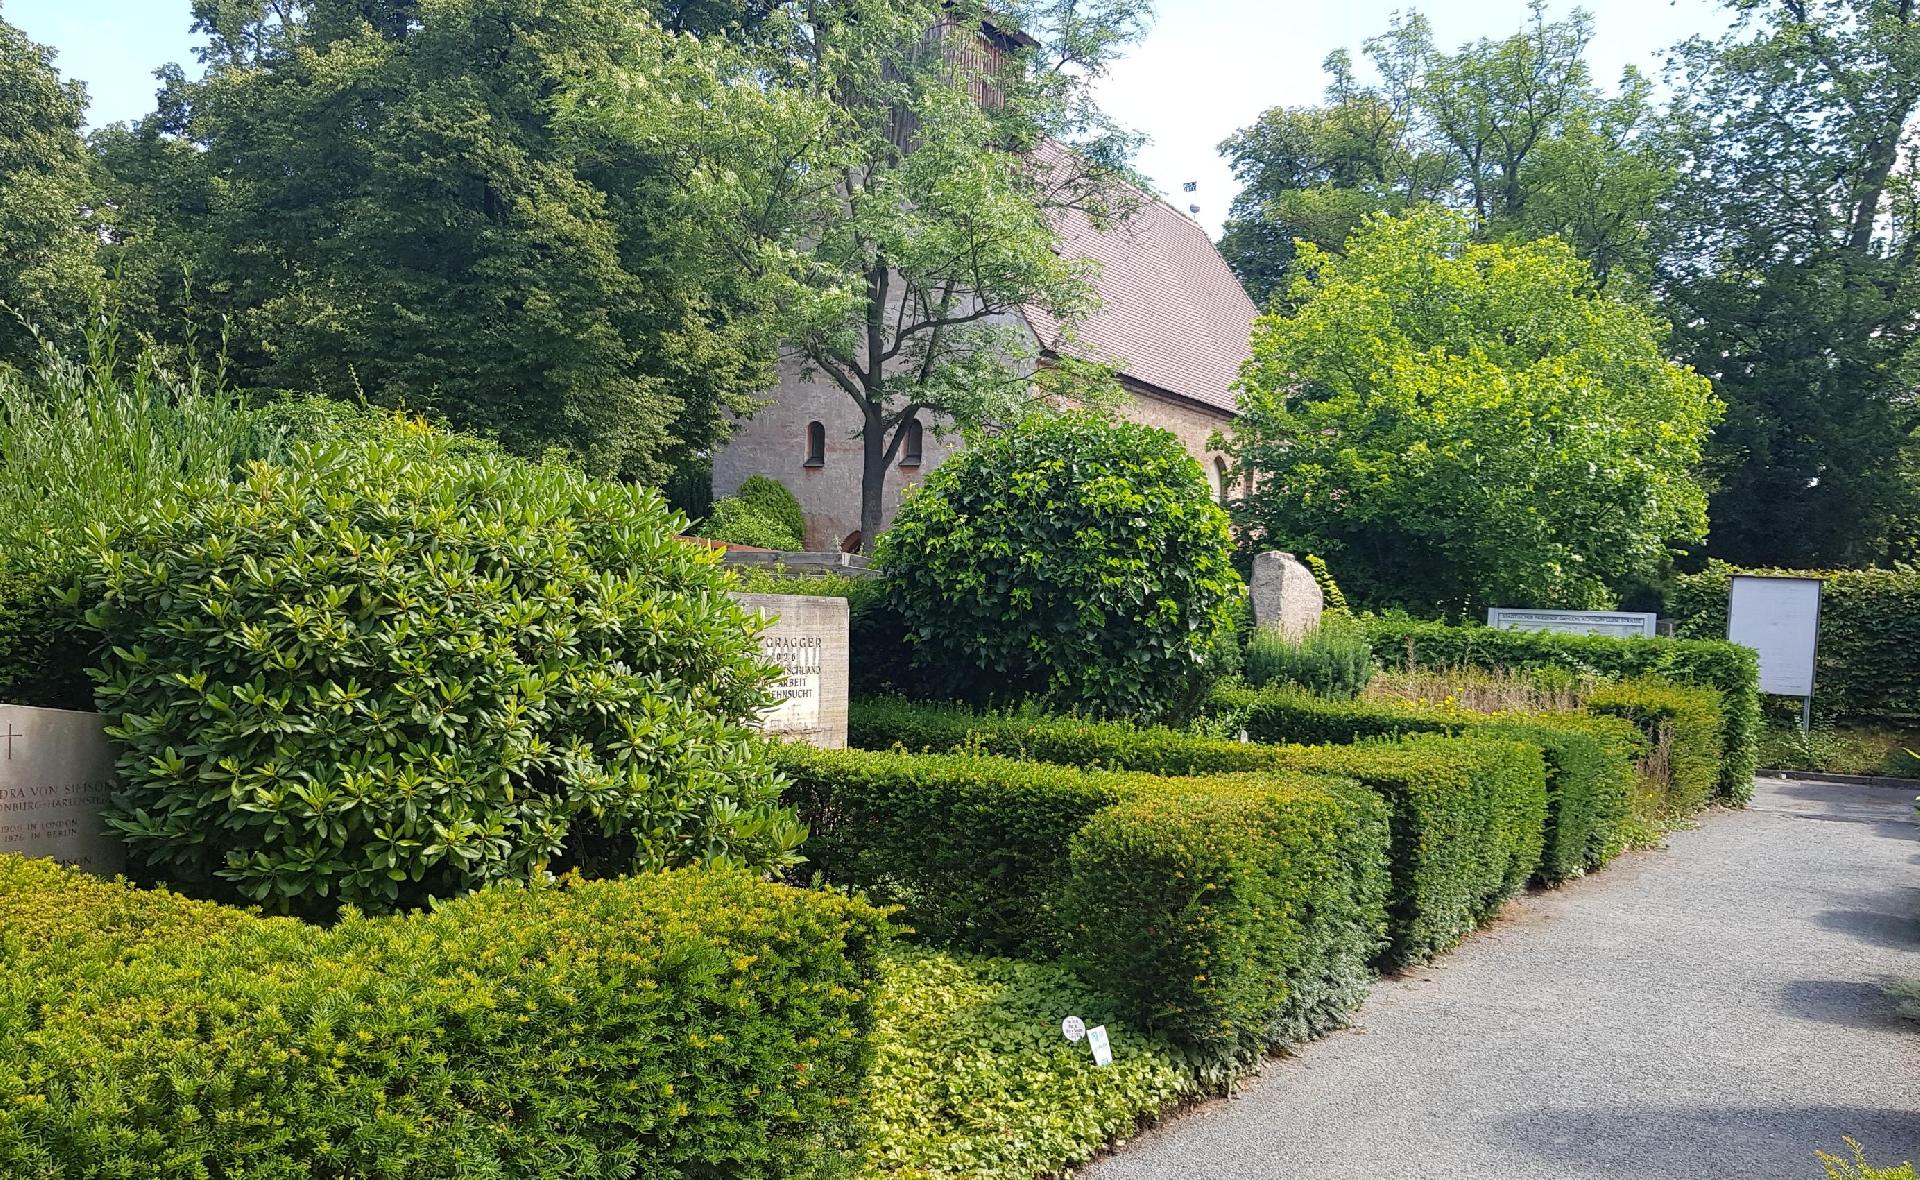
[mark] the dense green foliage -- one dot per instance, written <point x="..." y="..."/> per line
<point x="1334" y="660"/>
<point x="661" y="1026"/>
<point x="1589" y="760"/>
<point x="973" y="1081"/>
<point x="1727" y="667"/>
<point x="1512" y="132"/>
<point x="1685" y="727"/>
<point x="1857" y="1168"/>
<point x="1073" y="559"/>
<point x="1869" y="632"/>
<point x="1236" y="916"/>
<point x="50" y="273"/>
<point x="771" y="499"/>
<point x="988" y="853"/>
<point x="378" y="677"/>
<point x="739" y="522"/>
<point x="1458" y="424"/>
<point x="1468" y="814"/>
<point x="1792" y="272"/>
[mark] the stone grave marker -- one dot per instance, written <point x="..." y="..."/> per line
<point x="1285" y="596"/>
<point x="56" y="771"/>
<point x="807" y="637"/>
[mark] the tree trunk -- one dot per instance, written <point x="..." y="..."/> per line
<point x="873" y="479"/>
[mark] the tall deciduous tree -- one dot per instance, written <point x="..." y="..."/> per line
<point x="1792" y="273"/>
<point x="377" y="195"/>
<point x="49" y="270"/>
<point x="913" y="168"/>
<point x="1458" y="424"/>
<point x="1512" y="133"/>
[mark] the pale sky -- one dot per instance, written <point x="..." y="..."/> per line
<point x="1207" y="68"/>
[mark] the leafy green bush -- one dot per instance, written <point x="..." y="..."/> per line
<point x="973" y="1081"/>
<point x="1333" y="660"/>
<point x="1728" y="667"/>
<point x="1685" y="728"/>
<point x="380" y="678"/>
<point x="1235" y="915"/>
<point x="1073" y="559"/>
<point x="1590" y="760"/>
<point x="739" y="523"/>
<point x="771" y="499"/>
<point x="1869" y="630"/>
<point x="1468" y="813"/>
<point x="660" y="1026"/>
<point x="992" y="854"/>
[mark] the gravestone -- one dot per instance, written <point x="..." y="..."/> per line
<point x="807" y="637"/>
<point x="1285" y="596"/>
<point x="56" y="771"/>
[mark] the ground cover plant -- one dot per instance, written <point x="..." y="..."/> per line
<point x="1333" y="660"/>
<point x="1865" y="748"/>
<point x="380" y="677"/>
<point x="1073" y="559"/>
<point x="659" y="1026"/>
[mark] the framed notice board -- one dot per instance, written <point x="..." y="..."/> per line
<point x="1779" y="618"/>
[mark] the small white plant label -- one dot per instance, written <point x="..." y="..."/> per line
<point x="1073" y="1028"/>
<point x="1097" y="1041"/>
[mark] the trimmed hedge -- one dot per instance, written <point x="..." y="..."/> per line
<point x="1712" y="663"/>
<point x="1869" y="630"/>
<point x="1233" y="915"/>
<point x="1590" y="760"/>
<point x="660" y="1026"/>
<point x="1681" y="722"/>
<point x="1468" y="814"/>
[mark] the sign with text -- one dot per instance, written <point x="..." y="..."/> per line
<point x="1779" y="618"/>
<point x="1620" y="624"/>
<point x="56" y="772"/>
<point x="807" y="637"/>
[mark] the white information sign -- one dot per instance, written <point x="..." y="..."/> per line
<point x="1623" y="624"/>
<point x="1097" y="1041"/>
<point x="1780" y="619"/>
<point x="1073" y="1028"/>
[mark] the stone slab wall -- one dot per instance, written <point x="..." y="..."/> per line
<point x="56" y="771"/>
<point x="808" y="638"/>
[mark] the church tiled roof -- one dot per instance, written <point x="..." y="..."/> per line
<point x="1172" y="315"/>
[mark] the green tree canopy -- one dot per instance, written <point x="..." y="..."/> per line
<point x="379" y="198"/>
<point x="49" y="272"/>
<point x="1511" y="132"/>
<point x="1456" y="424"/>
<point x="1793" y="273"/>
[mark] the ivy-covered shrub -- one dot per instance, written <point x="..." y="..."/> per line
<point x="1333" y="660"/>
<point x="1019" y="857"/>
<point x="1590" y="760"/>
<point x="1234" y="915"/>
<point x="771" y="499"/>
<point x="1684" y="727"/>
<point x="1468" y="813"/>
<point x="666" y="1025"/>
<point x="1075" y="560"/>
<point x="737" y="522"/>
<point x="1869" y="629"/>
<point x="1712" y="663"/>
<point x="380" y="678"/>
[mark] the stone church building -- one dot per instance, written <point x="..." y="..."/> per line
<point x="1173" y="322"/>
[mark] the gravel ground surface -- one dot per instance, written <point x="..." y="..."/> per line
<point x="1714" y="1010"/>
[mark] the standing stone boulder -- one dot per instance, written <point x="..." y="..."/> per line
<point x="1285" y="596"/>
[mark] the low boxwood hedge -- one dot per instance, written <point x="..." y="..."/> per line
<point x="694" y="1022"/>
<point x="1447" y="790"/>
<point x="1590" y="760"/>
<point x="1683" y="727"/>
<point x="1232" y="914"/>
<point x="1711" y="663"/>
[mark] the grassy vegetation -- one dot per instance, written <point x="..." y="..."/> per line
<point x="1849" y="748"/>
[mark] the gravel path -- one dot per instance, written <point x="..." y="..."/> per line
<point x="1710" y="1011"/>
